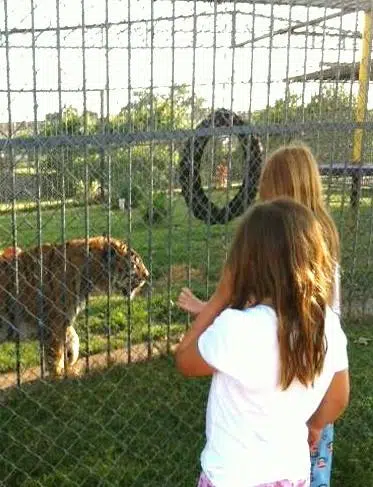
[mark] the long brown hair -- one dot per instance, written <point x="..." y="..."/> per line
<point x="279" y="253"/>
<point x="292" y="171"/>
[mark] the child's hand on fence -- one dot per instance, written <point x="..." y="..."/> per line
<point x="189" y="302"/>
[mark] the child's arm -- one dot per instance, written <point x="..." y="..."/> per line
<point x="333" y="404"/>
<point x="188" y="359"/>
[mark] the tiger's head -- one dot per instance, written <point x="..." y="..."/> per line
<point x="128" y="273"/>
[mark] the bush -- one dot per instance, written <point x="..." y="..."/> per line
<point x="137" y="195"/>
<point x="159" y="209"/>
<point x="94" y="190"/>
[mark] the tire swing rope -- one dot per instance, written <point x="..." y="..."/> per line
<point x="190" y="165"/>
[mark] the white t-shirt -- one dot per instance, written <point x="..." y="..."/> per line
<point x="256" y="432"/>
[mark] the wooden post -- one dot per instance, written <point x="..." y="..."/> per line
<point x="362" y="102"/>
<point x="102" y="150"/>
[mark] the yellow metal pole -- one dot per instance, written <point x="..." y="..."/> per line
<point x="362" y="103"/>
<point x="362" y="99"/>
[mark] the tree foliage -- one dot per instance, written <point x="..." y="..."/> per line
<point x="330" y="105"/>
<point x="148" y="165"/>
<point x="148" y="162"/>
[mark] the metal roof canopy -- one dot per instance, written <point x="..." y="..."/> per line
<point x="344" y="5"/>
<point x="344" y="72"/>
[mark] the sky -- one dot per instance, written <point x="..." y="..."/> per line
<point x="191" y="62"/>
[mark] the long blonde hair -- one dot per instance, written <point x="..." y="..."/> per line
<point x="279" y="253"/>
<point x="292" y="171"/>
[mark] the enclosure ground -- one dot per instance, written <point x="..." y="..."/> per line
<point x="143" y="425"/>
<point x="182" y="251"/>
<point x="97" y="362"/>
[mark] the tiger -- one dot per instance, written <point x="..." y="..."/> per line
<point x="43" y="289"/>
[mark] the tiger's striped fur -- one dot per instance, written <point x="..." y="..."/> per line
<point x="43" y="290"/>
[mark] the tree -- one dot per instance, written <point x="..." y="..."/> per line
<point x="70" y="122"/>
<point x="331" y="105"/>
<point x="149" y="112"/>
<point x="146" y="112"/>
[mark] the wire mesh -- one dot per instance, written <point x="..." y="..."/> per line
<point x="99" y="103"/>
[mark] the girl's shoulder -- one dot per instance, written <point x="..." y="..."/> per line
<point x="254" y="318"/>
<point x="333" y="329"/>
<point x="257" y="311"/>
<point x="332" y="318"/>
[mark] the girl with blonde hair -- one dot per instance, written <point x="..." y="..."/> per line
<point x="291" y="171"/>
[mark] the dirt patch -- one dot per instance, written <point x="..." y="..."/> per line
<point x="179" y="276"/>
<point x="98" y="362"/>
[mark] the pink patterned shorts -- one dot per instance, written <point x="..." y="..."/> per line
<point x="204" y="482"/>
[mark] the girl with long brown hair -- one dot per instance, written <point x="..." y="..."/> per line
<point x="277" y="356"/>
<point x="290" y="171"/>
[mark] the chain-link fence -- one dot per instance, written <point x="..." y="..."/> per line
<point x="144" y="124"/>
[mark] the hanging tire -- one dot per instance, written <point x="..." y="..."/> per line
<point x="190" y="165"/>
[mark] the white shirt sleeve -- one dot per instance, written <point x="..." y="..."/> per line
<point x="218" y="344"/>
<point x="338" y="341"/>
<point x="238" y="344"/>
<point x="340" y="359"/>
<point x="336" y="299"/>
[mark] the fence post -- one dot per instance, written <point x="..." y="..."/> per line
<point x="362" y="102"/>
<point x="102" y="150"/>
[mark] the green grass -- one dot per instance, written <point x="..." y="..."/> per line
<point x="142" y="330"/>
<point x="354" y="434"/>
<point x="31" y="206"/>
<point x="148" y="319"/>
<point x="180" y="241"/>
<point x="143" y="425"/>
